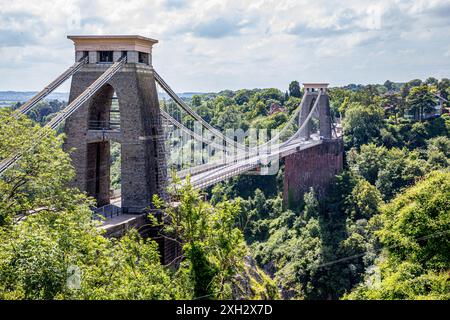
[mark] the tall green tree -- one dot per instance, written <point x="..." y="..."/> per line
<point x="362" y="124"/>
<point x="443" y="87"/>
<point x="196" y="100"/>
<point x="389" y="85"/>
<point x="431" y="81"/>
<point x="419" y="101"/>
<point x="294" y="89"/>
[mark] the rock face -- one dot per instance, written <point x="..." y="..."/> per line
<point x="253" y="283"/>
<point x="315" y="167"/>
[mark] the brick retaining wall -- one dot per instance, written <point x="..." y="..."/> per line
<point x="314" y="167"/>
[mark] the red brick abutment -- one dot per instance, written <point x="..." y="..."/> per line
<point x="314" y="167"/>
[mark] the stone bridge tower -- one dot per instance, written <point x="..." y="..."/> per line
<point x="126" y="111"/>
<point x="323" y="109"/>
<point x="317" y="166"/>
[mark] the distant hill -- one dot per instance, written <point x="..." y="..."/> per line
<point x="187" y="95"/>
<point x="9" y="97"/>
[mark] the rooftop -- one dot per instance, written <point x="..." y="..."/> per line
<point x="315" y="85"/>
<point x="112" y="43"/>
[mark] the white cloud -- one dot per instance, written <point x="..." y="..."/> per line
<point x="217" y="44"/>
<point x="447" y="52"/>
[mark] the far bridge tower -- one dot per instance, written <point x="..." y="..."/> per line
<point x="317" y="166"/>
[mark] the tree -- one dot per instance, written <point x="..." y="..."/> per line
<point x="390" y="170"/>
<point x="414" y="83"/>
<point x="438" y="152"/>
<point x="292" y="104"/>
<point x="416" y="135"/>
<point x="415" y="223"/>
<point x="339" y="100"/>
<point x="196" y="100"/>
<point x="443" y="87"/>
<point x="213" y="246"/>
<point x="362" y="124"/>
<point x="242" y="96"/>
<point x="62" y="255"/>
<point x="419" y="101"/>
<point x="393" y="104"/>
<point x="368" y="161"/>
<point x="205" y="110"/>
<point x="389" y="85"/>
<point x="229" y="118"/>
<point x="260" y="109"/>
<point x="294" y="250"/>
<point x="401" y="170"/>
<point x="40" y="178"/>
<point x="115" y="165"/>
<point x="364" y="201"/>
<point x="431" y="81"/>
<point x="294" y="89"/>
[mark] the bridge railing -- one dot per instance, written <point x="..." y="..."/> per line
<point x="107" y="211"/>
<point x="103" y="125"/>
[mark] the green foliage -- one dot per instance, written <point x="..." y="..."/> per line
<point x="196" y="100"/>
<point x="389" y="169"/>
<point x="294" y="89"/>
<point x="443" y="87"/>
<point x="419" y="101"/>
<point x="431" y="81"/>
<point x="368" y="161"/>
<point x="201" y="269"/>
<point x="393" y="104"/>
<point x="294" y="250"/>
<point x="413" y="135"/>
<point x="39" y="179"/>
<point x="438" y="152"/>
<point x="415" y="235"/>
<point x="45" y="110"/>
<point x="245" y="185"/>
<point x="213" y="246"/>
<point x="362" y="124"/>
<point x="364" y="201"/>
<point x="401" y="170"/>
<point x="415" y="224"/>
<point x="115" y="165"/>
<point x="40" y="256"/>
<point x="51" y="248"/>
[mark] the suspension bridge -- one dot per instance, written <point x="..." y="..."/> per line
<point x="154" y="127"/>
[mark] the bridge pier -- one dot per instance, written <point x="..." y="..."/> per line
<point x="314" y="167"/>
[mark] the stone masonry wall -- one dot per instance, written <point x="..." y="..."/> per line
<point x="314" y="167"/>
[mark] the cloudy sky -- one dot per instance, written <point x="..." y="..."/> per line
<point x="210" y="45"/>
